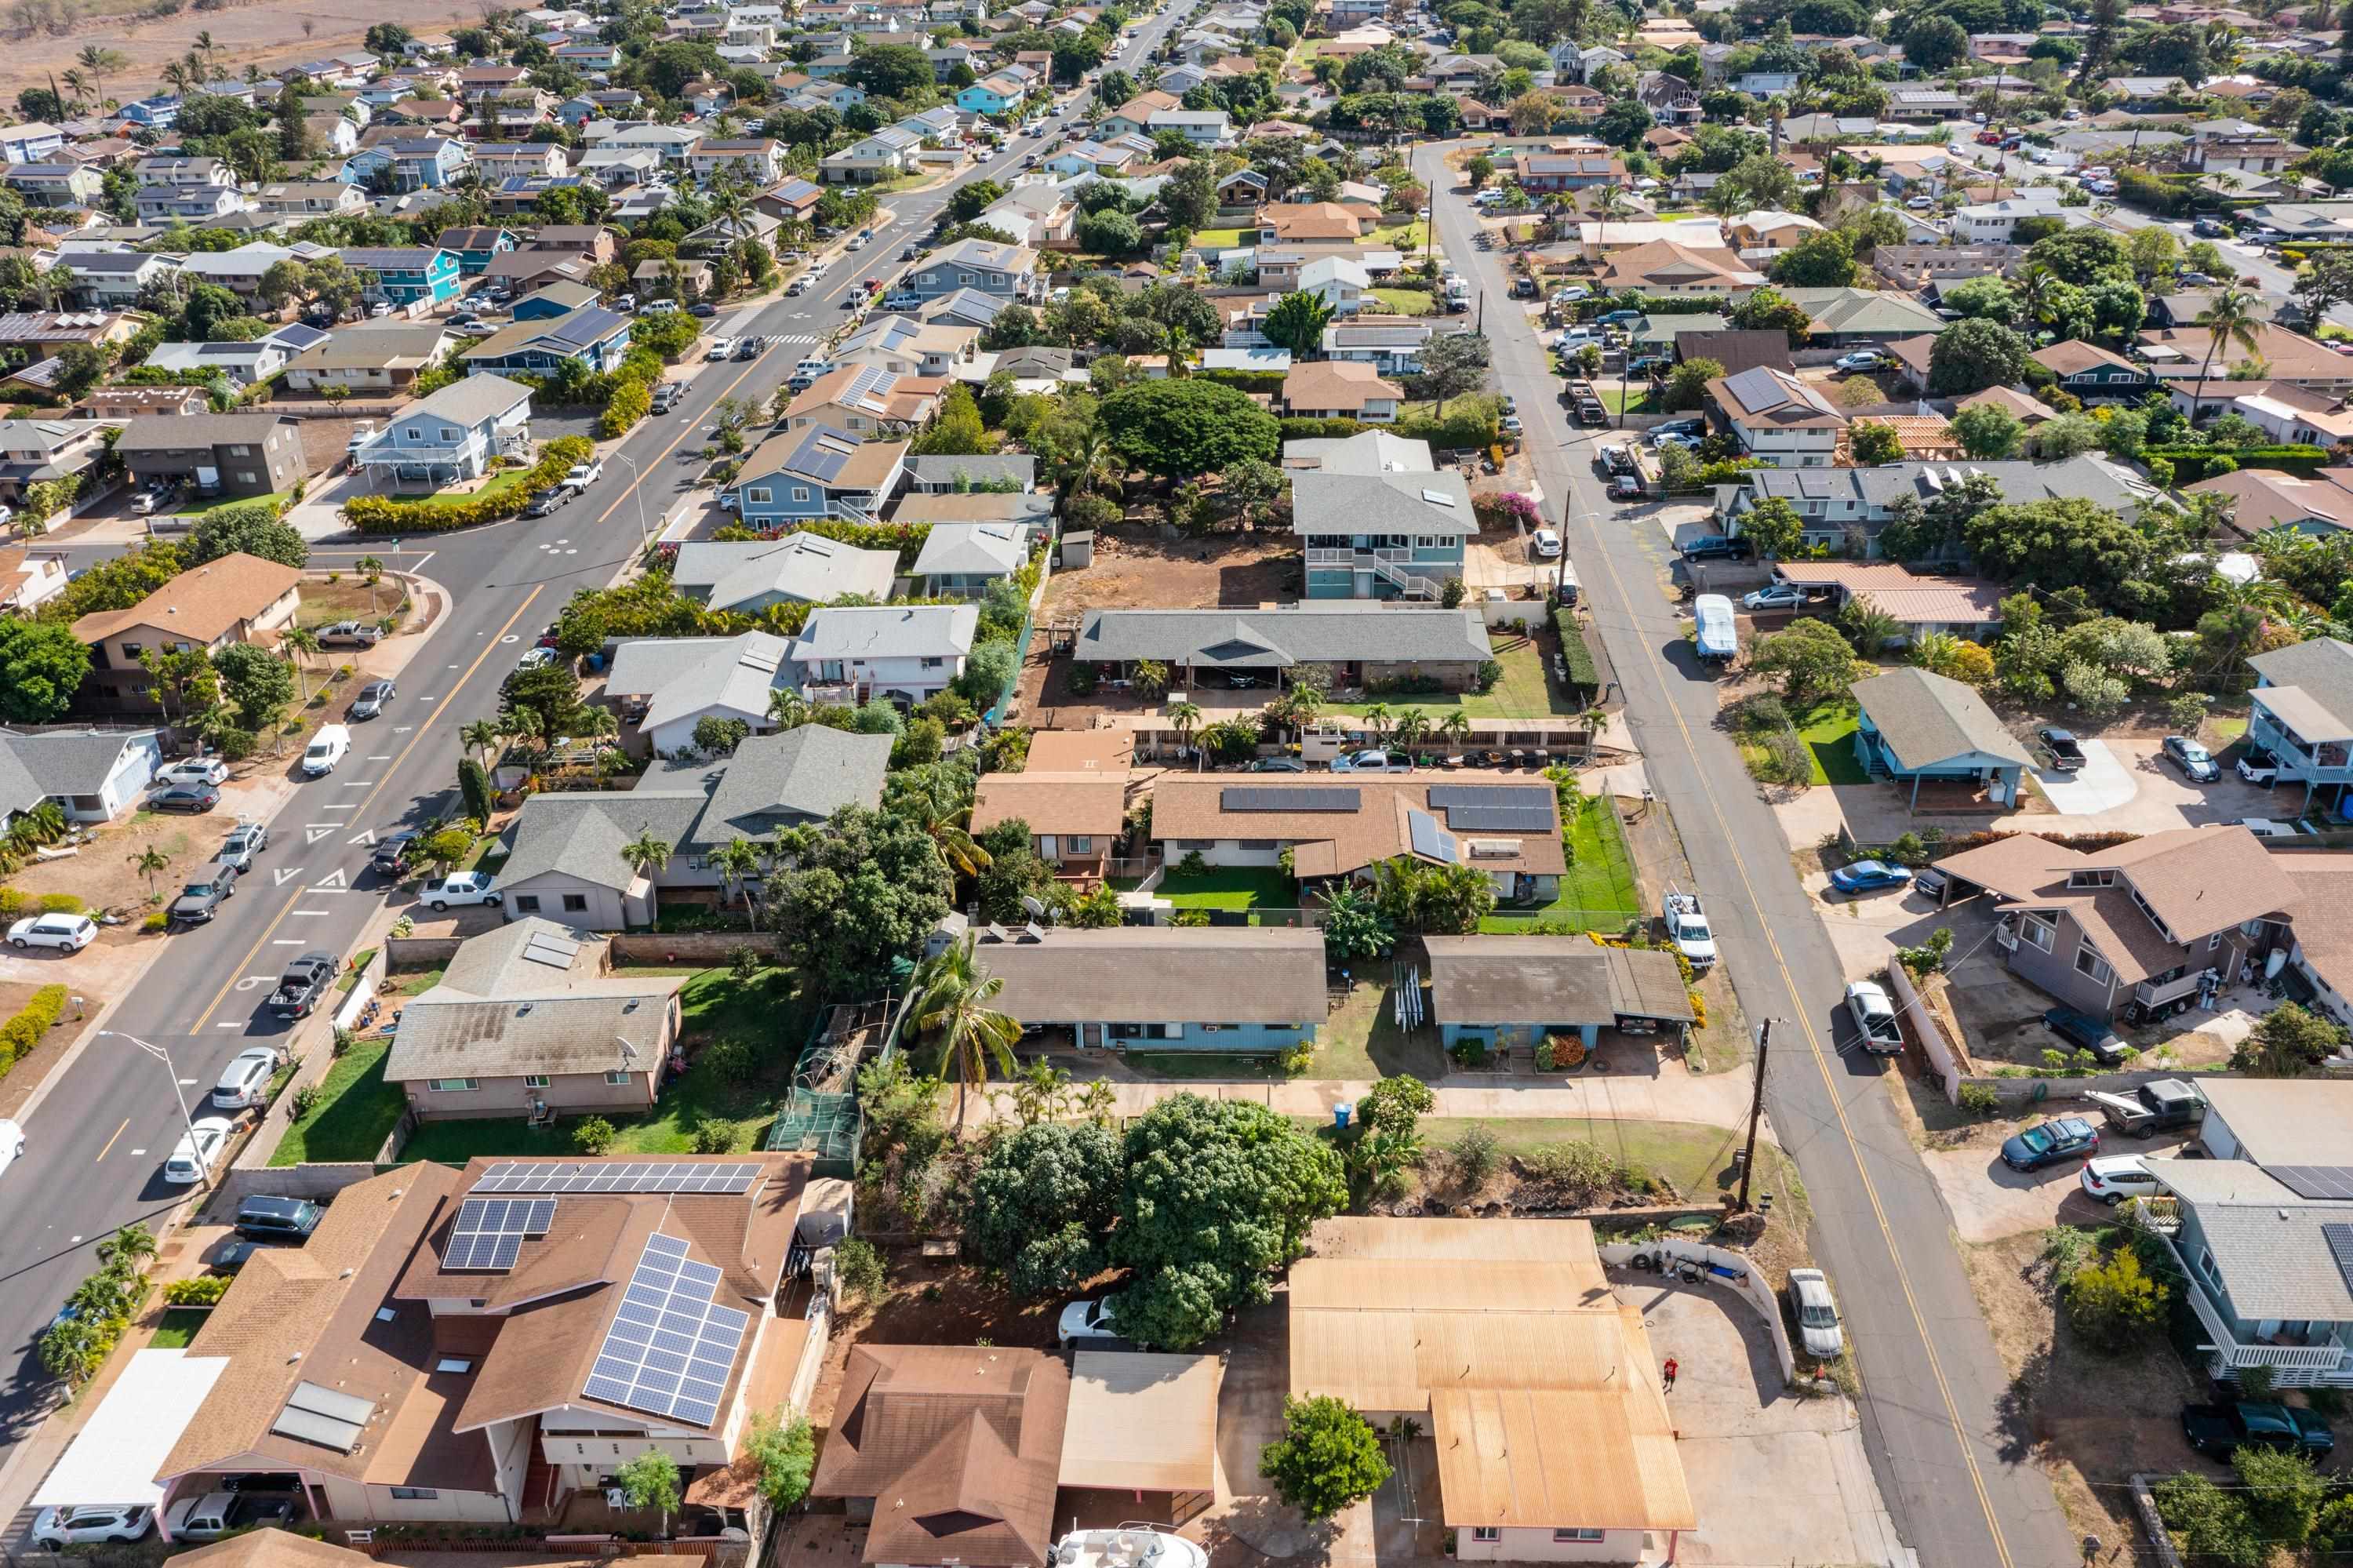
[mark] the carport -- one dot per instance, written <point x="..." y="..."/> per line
<point x="1145" y="1426"/>
<point x="116" y="1457"/>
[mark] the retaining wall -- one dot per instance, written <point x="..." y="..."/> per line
<point x="689" y="947"/>
<point x="316" y="1183"/>
<point x="1949" y="1064"/>
<point x="1750" y="1287"/>
<point x="419" y="952"/>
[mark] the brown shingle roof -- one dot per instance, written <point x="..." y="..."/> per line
<point x="1337" y="384"/>
<point x="1049" y="802"/>
<point x="274" y="1549"/>
<point x="2075" y="357"/>
<point x="1333" y="843"/>
<point x="202" y="603"/>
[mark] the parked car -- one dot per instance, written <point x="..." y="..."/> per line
<point x="2197" y="763"/>
<point x="2066" y="751"/>
<point x="2258" y="767"/>
<point x="1276" y="765"/>
<point x="2064" y="1137"/>
<point x="244" y="842"/>
<point x="198" y="1150"/>
<point x="194" y="798"/>
<point x="705" y="310"/>
<point x="2266" y="827"/>
<point x="370" y="703"/>
<point x="263" y="1218"/>
<point x="666" y="397"/>
<point x="1781" y="596"/>
<point x="304" y="984"/>
<point x="2086" y="1033"/>
<point x="1625" y="487"/>
<point x="1817" y="1319"/>
<point x="391" y="855"/>
<point x="463" y="887"/>
<point x="1544" y="542"/>
<point x="1930" y="881"/>
<point x="1617" y="459"/>
<point x="2219" y="1430"/>
<point x="350" y="634"/>
<point x="194" y="770"/>
<point x="201" y="896"/>
<point x="721" y="347"/>
<point x="1717" y="547"/>
<point x="535" y="658"/>
<point x="66" y="933"/>
<point x="1861" y="359"/>
<point x="1692" y="428"/>
<point x="57" y="1528"/>
<point x="1869" y="876"/>
<point x="1874" y="1018"/>
<point x="329" y="746"/>
<point x="1373" y="760"/>
<point x="584" y="474"/>
<point x="2116" y="1176"/>
<point x="1084" y="1321"/>
<point x="245" y="1081"/>
<point x="549" y="502"/>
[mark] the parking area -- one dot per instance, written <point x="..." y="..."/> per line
<point x="1989" y="1200"/>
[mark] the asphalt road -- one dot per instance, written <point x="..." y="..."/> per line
<point x="101" y="1131"/>
<point x="1947" y="1442"/>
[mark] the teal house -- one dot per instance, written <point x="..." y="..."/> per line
<point x="408" y="275"/>
<point x="1229" y="989"/>
<point x="2301" y="713"/>
<point x="2260" y="1250"/>
<point x="475" y="247"/>
<point x="1381" y="535"/>
<point x="1509" y="993"/>
<point x="1917" y="728"/>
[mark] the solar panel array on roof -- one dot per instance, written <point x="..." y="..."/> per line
<point x="1500" y="818"/>
<point x="2315" y="1180"/>
<point x="1430" y="841"/>
<point x="2341" y="1248"/>
<point x="822" y="455"/>
<point x="323" y="1416"/>
<point x="1311" y="797"/>
<point x="670" y="1344"/>
<point x="547" y="948"/>
<point x="488" y="1232"/>
<point x="1448" y="796"/>
<point x="642" y="1176"/>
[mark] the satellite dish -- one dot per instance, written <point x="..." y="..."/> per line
<point x="1036" y="906"/>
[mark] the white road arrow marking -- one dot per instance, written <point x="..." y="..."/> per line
<point x="366" y="836"/>
<point x="313" y="834"/>
<point x="284" y="875"/>
<point x="332" y="879"/>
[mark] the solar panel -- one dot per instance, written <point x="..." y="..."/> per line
<point x="1309" y="797"/>
<point x="2341" y="1248"/>
<point x="616" y="1176"/>
<point x="1500" y="818"/>
<point x="1449" y="797"/>
<point x="670" y="1344"/>
<point x="1428" y="840"/>
<point x="2315" y="1180"/>
<point x="329" y="1402"/>
<point x="488" y="1232"/>
<point x="340" y="1435"/>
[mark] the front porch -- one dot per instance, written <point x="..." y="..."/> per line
<point x="2309" y="1356"/>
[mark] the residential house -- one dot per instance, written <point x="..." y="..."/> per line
<point x="1349" y="645"/>
<point x="476" y="248"/>
<point x="403" y="275"/>
<point x="1005" y="271"/>
<point x="1916" y="728"/>
<point x="380" y="358"/>
<point x="2093" y="373"/>
<point x="534" y="267"/>
<point x="528" y="1021"/>
<point x="235" y="598"/>
<point x="1381" y="535"/>
<point x="1832" y="503"/>
<point x="815" y="470"/>
<point x="1392" y="348"/>
<point x="758" y="159"/>
<point x="122" y="403"/>
<point x="2294" y="416"/>
<point x="1763" y="234"/>
<point x="1922" y="267"/>
<point x="216" y="454"/>
<point x="1001" y="93"/>
<point x="239" y="363"/>
<point x="1202" y="128"/>
<point x="952" y="475"/>
<point x="1153" y="987"/>
<point x="2189" y="353"/>
<point x="456" y="433"/>
<point x="305" y="199"/>
<point x="963" y="560"/>
<point x="1994" y="222"/>
<point x="1300" y="223"/>
<point x="2143" y="92"/>
<point x="1861" y="318"/>
<point x="421" y="163"/>
<point x="866" y="402"/>
<point x="2266" y="498"/>
<point x="1509" y="994"/>
<point x="502" y="161"/>
<point x="34" y="143"/>
<point x="667" y="686"/>
<point x="114" y="280"/>
<point x="1543" y="173"/>
<point x="901" y="653"/>
<point x="2136" y="927"/>
<point x="1921" y="604"/>
<point x="1777" y="417"/>
<point x="885" y="155"/>
<point x="64" y="185"/>
<point x="1340" y="389"/>
<point x="1347" y="831"/>
<point x="43" y="451"/>
<point x="746" y="576"/>
<point x="1341" y="283"/>
<point x="94" y="776"/>
<point x="905" y="346"/>
<point x="1075" y="820"/>
<point x="1668" y="267"/>
<point x="2302" y="704"/>
<point x="591" y="337"/>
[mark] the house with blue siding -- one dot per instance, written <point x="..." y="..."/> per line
<point x="475" y="247"/>
<point x="416" y="163"/>
<point x="1509" y="993"/>
<point x="592" y="336"/>
<point x="2259" y="1250"/>
<point x="998" y="94"/>
<point x="1256" y="990"/>
<point x="817" y="470"/>
<point x="158" y="113"/>
<point x="2302" y="714"/>
<point x="1916" y="728"/>
<point x="1381" y="535"/>
<point x="405" y="274"/>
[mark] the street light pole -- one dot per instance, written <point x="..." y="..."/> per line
<point x="203" y="1170"/>
<point x="638" y="487"/>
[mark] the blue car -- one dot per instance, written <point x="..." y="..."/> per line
<point x="1869" y="876"/>
<point x="2086" y="1033"/>
<point x="2068" y="1138"/>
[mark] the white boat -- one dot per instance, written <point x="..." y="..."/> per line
<point x="1129" y="1546"/>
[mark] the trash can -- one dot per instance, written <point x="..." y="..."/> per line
<point x="1341" y="1113"/>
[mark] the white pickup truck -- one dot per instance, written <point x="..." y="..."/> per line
<point x="1687" y="927"/>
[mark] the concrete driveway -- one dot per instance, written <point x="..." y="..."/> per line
<point x="1989" y="1200"/>
<point x="2102" y="784"/>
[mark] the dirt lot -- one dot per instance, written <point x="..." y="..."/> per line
<point x="324" y="603"/>
<point x="267" y="35"/>
<point x="1132" y="571"/>
<point x="2089" y="1421"/>
<point x="18" y="1085"/>
<point x="103" y="878"/>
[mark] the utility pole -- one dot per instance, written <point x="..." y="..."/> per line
<point x="1756" y="1112"/>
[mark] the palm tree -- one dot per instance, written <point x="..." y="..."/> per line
<point x="1184" y="717"/>
<point x="300" y="643"/>
<point x="1377" y="719"/>
<point x="76" y="86"/>
<point x="2035" y="282"/>
<point x="371" y="570"/>
<point x="2231" y="316"/>
<point x="147" y="862"/>
<point x="1412" y="728"/>
<point x="1090" y="465"/>
<point x="1151" y="678"/>
<point x="737" y="861"/>
<point x="595" y="722"/>
<point x="952" y="833"/>
<point x="647" y="852"/>
<point x="789" y="709"/>
<point x="100" y="62"/>
<point x="524" y="725"/>
<point x="1455" y="726"/>
<point x="953" y="992"/>
<point x="481" y="736"/>
<point x="128" y="1249"/>
<point x="1611" y="203"/>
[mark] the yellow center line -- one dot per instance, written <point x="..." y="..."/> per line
<point x="645" y="471"/>
<point x="222" y="995"/>
<point x="110" y="1142"/>
<point x="1822" y="1063"/>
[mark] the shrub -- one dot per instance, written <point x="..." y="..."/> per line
<point x="1470" y="1050"/>
<point x="2115" y="1304"/>
<point x="1584" y="1169"/>
<point x="592" y="1135"/>
<point x="1978" y="1099"/>
<point x="24" y="1032"/>
<point x="204" y="1290"/>
<point x="1574" y="652"/>
<point x="2207" y="1521"/>
<point x="154" y="921"/>
<point x="631" y="402"/>
<point x="1476" y="1153"/>
<point x="1490" y="672"/>
<point x="62" y="903"/>
<point x="2283" y="1493"/>
<point x="375" y="514"/>
<point x="716" y="1136"/>
<point x="859" y="1270"/>
<point x="731" y="1060"/>
<point x="307" y="1099"/>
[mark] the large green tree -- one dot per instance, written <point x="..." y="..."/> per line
<point x="1328" y="1456"/>
<point x="1042" y="1205"/>
<point x="2066" y="542"/>
<point x="42" y="664"/>
<point x="1180" y="427"/>
<point x="864" y="893"/>
<point x="1296" y="322"/>
<point x="257" y="681"/>
<point x="249" y="527"/>
<point x="1970" y="357"/>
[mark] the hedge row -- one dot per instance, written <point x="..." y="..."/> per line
<point x="376" y="514"/>
<point x="907" y="538"/>
<point x="1244" y="380"/>
<point x="1321" y="429"/>
<point x="24" y="1032"/>
<point x="2192" y="464"/>
<point x="1582" y="670"/>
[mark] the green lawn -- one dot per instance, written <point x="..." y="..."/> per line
<point x="1230" y="887"/>
<point x="1697" y="1160"/>
<point x="179" y="1326"/>
<point x="1523" y="691"/>
<point x="1405" y="302"/>
<point x="1409" y="235"/>
<point x="1600" y="891"/>
<point x="198" y="508"/>
<point x="505" y="479"/>
<point x="1829" y="734"/>
<point x="1633" y="397"/>
<point x="356" y="1112"/>
<point x="1362" y="1039"/>
<point x="1218" y="238"/>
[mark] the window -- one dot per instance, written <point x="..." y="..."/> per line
<point x="534" y="1080"/>
<point x="616" y="1077"/>
<point x="1079" y="844"/>
<point x="1577" y="1533"/>
<point x="453" y="1086"/>
<point x="448" y="434"/>
<point x="131" y="651"/>
<point x="1486" y="1532"/>
<point x="526" y="903"/>
<point x="240" y="451"/>
<point x="414" y="1494"/>
<point x="760" y="497"/>
<point x="2213" y="941"/>
<point x="576" y="903"/>
<point x="2089" y="964"/>
<point x="453" y="1364"/>
<point x="932" y="663"/>
<point x="2091" y="879"/>
<point x="2036" y="931"/>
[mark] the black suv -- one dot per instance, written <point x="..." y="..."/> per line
<point x="201" y="897"/>
<point x="391" y="855"/>
<point x="276" y="1218"/>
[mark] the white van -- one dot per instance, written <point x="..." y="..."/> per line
<point x="659" y="308"/>
<point x="329" y="746"/>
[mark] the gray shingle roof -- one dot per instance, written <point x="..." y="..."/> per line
<point x="979" y="469"/>
<point x="472" y="400"/>
<point x="580" y="836"/>
<point x="177" y="434"/>
<point x="2084" y="478"/>
<point x="781" y="781"/>
<point x="2322" y="669"/>
<point x="1274" y="638"/>
<point x="2275" y="1262"/>
<point x="983" y="548"/>
<point x="800" y="566"/>
<point x="1152" y="974"/>
<point x="527" y="998"/>
<point x="682" y="675"/>
<point x="1435" y="503"/>
<point x="887" y="631"/>
<point x="69" y="764"/>
<point x="1926" y="719"/>
<point x="1490" y="981"/>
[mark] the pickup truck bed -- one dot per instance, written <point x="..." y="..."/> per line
<point x="303" y="983"/>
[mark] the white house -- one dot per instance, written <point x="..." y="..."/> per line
<point x="1778" y="417"/>
<point x="902" y="653"/>
<point x="1993" y="222"/>
<point x="666" y="685"/>
<point x="452" y="435"/>
<point x="1340" y="282"/>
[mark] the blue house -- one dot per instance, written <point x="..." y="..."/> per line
<point x="1163" y="988"/>
<point x="815" y="471"/>
<point x="475" y="247"/>
<point x="555" y="300"/>
<point x="2258" y="1243"/>
<point x="419" y="163"/>
<point x="995" y="95"/>
<point x="2300" y="715"/>
<point x="595" y="337"/>
<point x="1917" y="727"/>
<point x="1381" y="535"/>
<point x="158" y="113"/>
<point x="405" y="274"/>
<point x="1511" y="992"/>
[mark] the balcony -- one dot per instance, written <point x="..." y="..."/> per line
<point x="2156" y="994"/>
<point x="2294" y="1366"/>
